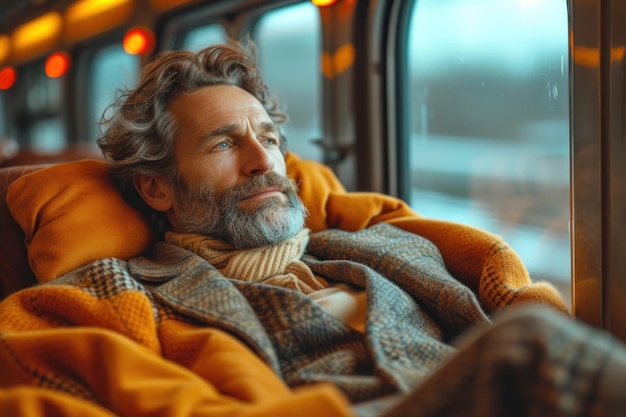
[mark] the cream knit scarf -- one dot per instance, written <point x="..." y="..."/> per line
<point x="277" y="264"/>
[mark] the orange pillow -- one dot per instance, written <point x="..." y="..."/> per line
<point x="73" y="214"/>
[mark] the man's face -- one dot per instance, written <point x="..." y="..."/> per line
<point x="233" y="183"/>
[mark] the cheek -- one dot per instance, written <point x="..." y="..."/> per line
<point x="215" y="173"/>
<point x="220" y="174"/>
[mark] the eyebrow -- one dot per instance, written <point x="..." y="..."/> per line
<point x="226" y="129"/>
<point x="222" y="130"/>
<point x="269" y="126"/>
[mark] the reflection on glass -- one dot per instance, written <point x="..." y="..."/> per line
<point x="203" y="36"/>
<point x="289" y="42"/>
<point x="489" y="123"/>
<point x="111" y="69"/>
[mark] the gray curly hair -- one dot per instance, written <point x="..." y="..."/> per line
<point x="139" y="135"/>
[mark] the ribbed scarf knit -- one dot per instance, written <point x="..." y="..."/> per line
<point x="277" y="264"/>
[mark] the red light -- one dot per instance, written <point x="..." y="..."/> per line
<point x="321" y="3"/>
<point x="7" y="77"/>
<point x="139" y="40"/>
<point x="58" y="64"/>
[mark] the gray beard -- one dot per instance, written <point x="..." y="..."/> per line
<point x="200" y="209"/>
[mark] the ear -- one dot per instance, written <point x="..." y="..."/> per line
<point x="155" y="192"/>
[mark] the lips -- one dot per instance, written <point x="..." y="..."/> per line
<point x="260" y="193"/>
<point x="258" y="186"/>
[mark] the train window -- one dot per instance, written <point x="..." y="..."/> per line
<point x="4" y="131"/>
<point x="48" y="135"/>
<point x="8" y="144"/>
<point x="488" y="123"/>
<point x="289" y="42"/>
<point x="40" y="123"/>
<point x="203" y="36"/>
<point x="111" y="69"/>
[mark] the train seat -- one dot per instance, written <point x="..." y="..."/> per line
<point x="32" y="157"/>
<point x="15" y="272"/>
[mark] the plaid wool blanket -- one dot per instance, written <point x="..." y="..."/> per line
<point x="414" y="308"/>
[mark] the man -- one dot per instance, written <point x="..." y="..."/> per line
<point x="240" y="309"/>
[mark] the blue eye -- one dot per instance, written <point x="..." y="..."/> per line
<point x="222" y="145"/>
<point x="271" y="141"/>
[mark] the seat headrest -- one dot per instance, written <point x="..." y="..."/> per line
<point x="15" y="272"/>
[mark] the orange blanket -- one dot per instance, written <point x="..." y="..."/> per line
<point x="63" y="352"/>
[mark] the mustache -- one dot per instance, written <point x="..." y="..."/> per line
<point x="258" y="184"/>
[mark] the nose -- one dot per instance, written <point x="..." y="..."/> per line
<point x="258" y="160"/>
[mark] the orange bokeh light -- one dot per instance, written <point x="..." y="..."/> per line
<point x="139" y="40"/>
<point x="8" y="75"/>
<point x="58" y="64"/>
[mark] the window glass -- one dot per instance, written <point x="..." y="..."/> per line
<point x="203" y="36"/>
<point x="289" y="42"/>
<point x="488" y="119"/>
<point x="111" y="69"/>
<point x="48" y="135"/>
<point x="38" y="106"/>
<point x="3" y="123"/>
<point x="8" y="144"/>
<point x="43" y="94"/>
